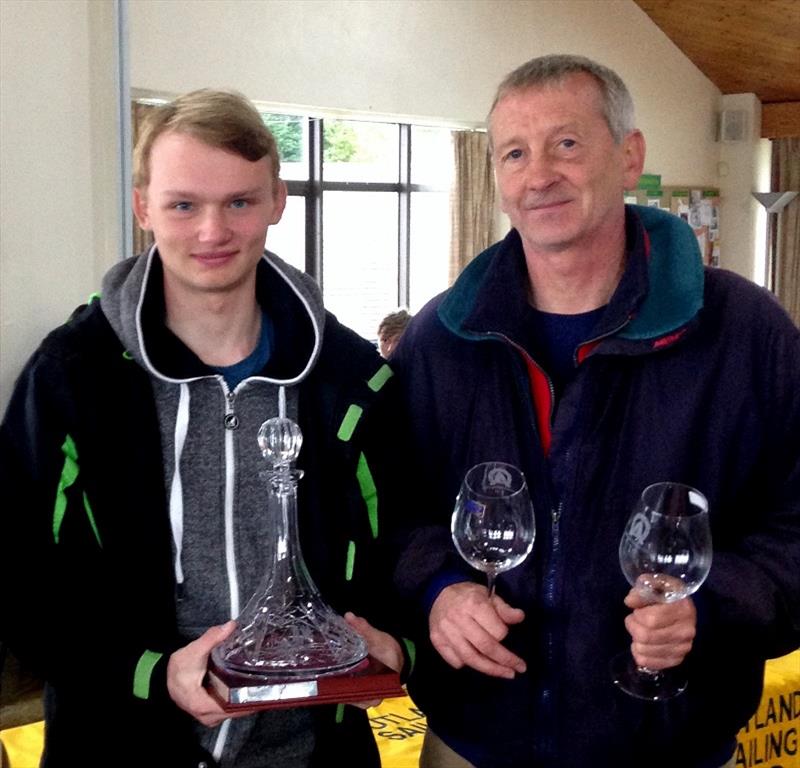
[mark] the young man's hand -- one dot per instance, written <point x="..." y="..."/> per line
<point x="186" y="670"/>
<point x="380" y="645"/>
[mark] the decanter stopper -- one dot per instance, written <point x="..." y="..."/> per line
<point x="280" y="441"/>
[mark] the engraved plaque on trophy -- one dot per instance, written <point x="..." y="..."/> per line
<point x="290" y="648"/>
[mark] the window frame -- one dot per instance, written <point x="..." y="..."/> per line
<point x="315" y="186"/>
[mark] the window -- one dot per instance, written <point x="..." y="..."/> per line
<point x="367" y="214"/>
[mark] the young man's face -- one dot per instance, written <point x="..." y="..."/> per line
<point x="559" y="173"/>
<point x="209" y="210"/>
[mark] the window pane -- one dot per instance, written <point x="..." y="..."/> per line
<point x="359" y="151"/>
<point x="291" y="133"/>
<point x="430" y="246"/>
<point x="287" y="238"/>
<point x="431" y="156"/>
<point x="359" y="275"/>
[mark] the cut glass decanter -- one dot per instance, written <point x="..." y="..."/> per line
<point x="287" y="630"/>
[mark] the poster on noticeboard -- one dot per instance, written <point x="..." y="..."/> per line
<point x="700" y="209"/>
<point x="697" y="206"/>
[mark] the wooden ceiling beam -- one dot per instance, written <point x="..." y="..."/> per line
<point x="780" y="121"/>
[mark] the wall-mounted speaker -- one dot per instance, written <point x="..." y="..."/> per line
<point x="732" y="125"/>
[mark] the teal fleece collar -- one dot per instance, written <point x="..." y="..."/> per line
<point x="675" y="279"/>
<point x="675" y="276"/>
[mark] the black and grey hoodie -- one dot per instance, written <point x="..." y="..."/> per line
<point x="147" y="511"/>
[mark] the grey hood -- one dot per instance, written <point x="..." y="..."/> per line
<point x="132" y="292"/>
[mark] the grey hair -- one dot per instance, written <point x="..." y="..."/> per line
<point x="543" y="70"/>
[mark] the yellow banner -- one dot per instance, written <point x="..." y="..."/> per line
<point x="398" y="727"/>
<point x="771" y="739"/>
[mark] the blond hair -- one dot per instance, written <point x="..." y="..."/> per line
<point x="221" y="119"/>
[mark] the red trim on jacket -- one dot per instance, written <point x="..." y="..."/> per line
<point x="586" y="349"/>
<point x="666" y="341"/>
<point x="542" y="401"/>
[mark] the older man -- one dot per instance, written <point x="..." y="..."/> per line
<point x="592" y="349"/>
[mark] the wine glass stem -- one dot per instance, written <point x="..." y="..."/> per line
<point x="653" y="674"/>
<point x="490" y="581"/>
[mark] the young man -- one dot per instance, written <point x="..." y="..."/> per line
<point x="592" y="349"/>
<point x="131" y="437"/>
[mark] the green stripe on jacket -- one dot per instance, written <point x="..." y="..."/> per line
<point x="143" y="673"/>
<point x="69" y="474"/>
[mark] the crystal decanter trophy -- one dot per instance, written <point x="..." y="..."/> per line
<point x="290" y="648"/>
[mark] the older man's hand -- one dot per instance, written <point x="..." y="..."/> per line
<point x="661" y="633"/>
<point x="467" y="628"/>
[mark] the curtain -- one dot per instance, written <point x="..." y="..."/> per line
<point x="142" y="240"/>
<point x="786" y="177"/>
<point x="473" y="200"/>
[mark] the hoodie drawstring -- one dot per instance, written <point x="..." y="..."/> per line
<point x="176" y="490"/>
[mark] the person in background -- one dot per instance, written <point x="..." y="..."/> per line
<point x="391" y="329"/>
<point x="131" y="438"/>
<point x="592" y="349"/>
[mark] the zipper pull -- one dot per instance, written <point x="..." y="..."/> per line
<point x="231" y="419"/>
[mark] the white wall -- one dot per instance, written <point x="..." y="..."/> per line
<point x="56" y="206"/>
<point x="435" y="59"/>
<point x="430" y="59"/>
<point x="440" y="60"/>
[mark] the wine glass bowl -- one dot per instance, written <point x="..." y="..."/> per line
<point x="665" y="554"/>
<point x="493" y="526"/>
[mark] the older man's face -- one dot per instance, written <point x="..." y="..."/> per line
<point x="559" y="172"/>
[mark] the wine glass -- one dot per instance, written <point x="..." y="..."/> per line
<point x="493" y="525"/>
<point x="665" y="554"/>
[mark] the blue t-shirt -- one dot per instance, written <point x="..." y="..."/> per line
<point x="254" y="362"/>
<point x="552" y="340"/>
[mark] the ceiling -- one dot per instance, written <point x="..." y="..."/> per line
<point x="742" y="46"/>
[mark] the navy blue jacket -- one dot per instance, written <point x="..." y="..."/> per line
<point x="693" y="376"/>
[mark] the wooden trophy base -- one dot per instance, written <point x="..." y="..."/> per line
<point x="237" y="692"/>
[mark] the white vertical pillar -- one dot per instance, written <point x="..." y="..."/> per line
<point x="743" y="169"/>
<point x="125" y="127"/>
<point x="107" y="121"/>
